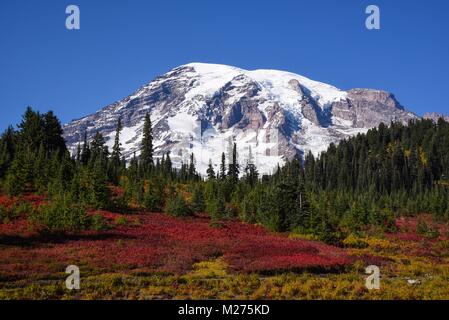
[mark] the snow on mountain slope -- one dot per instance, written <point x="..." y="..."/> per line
<point x="203" y="108"/>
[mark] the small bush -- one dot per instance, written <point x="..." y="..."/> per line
<point x="21" y="209"/>
<point x="60" y="216"/>
<point x="98" y="222"/>
<point x="121" y="221"/>
<point x="119" y="204"/>
<point x="177" y="207"/>
<point x="216" y="209"/>
<point x="4" y="215"/>
<point x="424" y="230"/>
<point x="153" y="199"/>
<point x="353" y="241"/>
<point x="442" y="245"/>
<point x="197" y="202"/>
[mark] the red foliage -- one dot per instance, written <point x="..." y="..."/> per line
<point x="17" y="227"/>
<point x="407" y="229"/>
<point x="264" y="253"/>
<point x="6" y="201"/>
<point x="116" y="191"/>
<point x="34" y="199"/>
<point x="160" y="243"/>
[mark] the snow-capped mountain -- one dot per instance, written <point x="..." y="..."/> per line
<point x="273" y="115"/>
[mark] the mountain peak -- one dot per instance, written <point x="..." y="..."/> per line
<point x="202" y="108"/>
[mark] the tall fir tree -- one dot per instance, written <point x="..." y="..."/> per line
<point x="7" y="148"/>
<point x="116" y="155"/>
<point x="251" y="173"/>
<point x="210" y="171"/>
<point x="99" y="149"/>
<point x="85" y="152"/>
<point x="168" y="164"/>
<point x="52" y="130"/>
<point x="31" y="129"/>
<point x="233" y="171"/>
<point x="223" y="166"/>
<point x="146" y="155"/>
<point x="192" y="169"/>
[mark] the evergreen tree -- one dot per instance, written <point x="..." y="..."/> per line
<point x="197" y="204"/>
<point x="52" y="131"/>
<point x="99" y="191"/>
<point x="216" y="206"/>
<point x="154" y="196"/>
<point x="116" y="149"/>
<point x="251" y="173"/>
<point x="7" y="148"/>
<point x="20" y="175"/>
<point x="99" y="150"/>
<point x="223" y="167"/>
<point x="78" y="154"/>
<point x="5" y="158"/>
<point x="39" y="170"/>
<point x="146" y="155"/>
<point x="192" y="169"/>
<point x="176" y="206"/>
<point x="31" y="130"/>
<point x="210" y="171"/>
<point x="233" y="171"/>
<point x="167" y="164"/>
<point x="85" y="152"/>
<point x="116" y="154"/>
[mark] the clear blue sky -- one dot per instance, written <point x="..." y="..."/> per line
<point x="125" y="44"/>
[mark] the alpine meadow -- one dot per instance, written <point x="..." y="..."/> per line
<point x="215" y="160"/>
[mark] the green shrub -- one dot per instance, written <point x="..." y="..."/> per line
<point x="424" y="230"/>
<point x="119" y="204"/>
<point x="121" y="221"/>
<point x="198" y="199"/>
<point x="153" y="199"/>
<point x="98" y="222"/>
<point x="177" y="207"/>
<point x="249" y="207"/>
<point x="216" y="209"/>
<point x="21" y="209"/>
<point x="60" y="216"/>
<point x="4" y="215"/>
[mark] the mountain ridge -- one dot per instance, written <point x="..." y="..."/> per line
<point x="274" y="115"/>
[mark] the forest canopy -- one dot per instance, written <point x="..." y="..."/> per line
<point x="363" y="182"/>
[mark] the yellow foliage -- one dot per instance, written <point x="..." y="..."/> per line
<point x="302" y="236"/>
<point x="352" y="241"/>
<point x="423" y="156"/>
<point x="379" y="244"/>
<point x="209" y="269"/>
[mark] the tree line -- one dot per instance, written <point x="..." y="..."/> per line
<point x="363" y="182"/>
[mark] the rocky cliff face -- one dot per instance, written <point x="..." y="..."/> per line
<point x="274" y="115"/>
<point x="435" y="116"/>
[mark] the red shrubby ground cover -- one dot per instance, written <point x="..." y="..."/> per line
<point x="34" y="199"/>
<point x="407" y="229"/>
<point x="6" y="201"/>
<point x="265" y="253"/>
<point x="150" y="242"/>
<point x="154" y="242"/>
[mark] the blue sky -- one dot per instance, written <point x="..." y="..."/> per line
<point x="124" y="44"/>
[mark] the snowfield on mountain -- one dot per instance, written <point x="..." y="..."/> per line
<point x="271" y="115"/>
